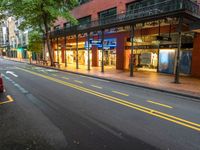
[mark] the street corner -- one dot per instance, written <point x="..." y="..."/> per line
<point x="5" y="98"/>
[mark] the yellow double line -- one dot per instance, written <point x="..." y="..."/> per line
<point x="149" y="111"/>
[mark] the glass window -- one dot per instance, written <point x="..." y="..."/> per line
<point x="83" y="1"/>
<point x="108" y="13"/>
<point x="84" y="20"/>
<point x="57" y="27"/>
<point x="141" y="4"/>
<point x="67" y="25"/>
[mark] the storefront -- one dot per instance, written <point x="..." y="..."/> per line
<point x="109" y="51"/>
<point x="70" y="54"/>
<point x="160" y="56"/>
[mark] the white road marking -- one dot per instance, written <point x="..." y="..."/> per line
<point x="77" y="81"/>
<point x="15" y="84"/>
<point x="12" y="73"/>
<point x="98" y="87"/>
<point x="95" y="78"/>
<point x="120" y="93"/>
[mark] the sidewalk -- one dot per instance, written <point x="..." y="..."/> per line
<point x="189" y="86"/>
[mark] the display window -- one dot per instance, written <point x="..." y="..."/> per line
<point x="57" y="56"/>
<point x="167" y="61"/>
<point x="70" y="57"/>
<point x="109" y="57"/>
<point x="146" y="60"/>
<point x="186" y="61"/>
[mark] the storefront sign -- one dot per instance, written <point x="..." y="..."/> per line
<point x="153" y="46"/>
<point x="109" y="43"/>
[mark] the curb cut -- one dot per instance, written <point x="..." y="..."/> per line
<point x="195" y="98"/>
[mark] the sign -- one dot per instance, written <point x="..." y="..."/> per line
<point x="162" y="38"/>
<point x="109" y="43"/>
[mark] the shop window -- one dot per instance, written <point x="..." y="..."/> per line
<point x="186" y="61"/>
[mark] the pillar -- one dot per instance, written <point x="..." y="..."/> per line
<point x="77" y="51"/>
<point x="88" y="48"/>
<point x="196" y="56"/>
<point x="120" y="52"/>
<point x="95" y="56"/>
<point x="132" y="59"/>
<point x="63" y="47"/>
<point x="102" y="59"/>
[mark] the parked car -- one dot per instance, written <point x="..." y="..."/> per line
<point x="1" y="84"/>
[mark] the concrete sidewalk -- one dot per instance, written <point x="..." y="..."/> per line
<point x="188" y="87"/>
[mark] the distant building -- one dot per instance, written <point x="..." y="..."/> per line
<point x="13" y="41"/>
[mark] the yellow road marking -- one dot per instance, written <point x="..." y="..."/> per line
<point x="171" y="118"/>
<point x="78" y="81"/>
<point x="65" y="78"/>
<point x="160" y="104"/>
<point x="98" y="87"/>
<point x="10" y="99"/>
<point x="120" y="93"/>
<point x="54" y="75"/>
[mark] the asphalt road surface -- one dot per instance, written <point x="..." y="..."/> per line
<point x="44" y="109"/>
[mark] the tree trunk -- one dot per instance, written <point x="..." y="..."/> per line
<point x="36" y="58"/>
<point x="48" y="42"/>
<point x="49" y="49"/>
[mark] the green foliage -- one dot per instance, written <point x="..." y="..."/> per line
<point x="35" y="42"/>
<point x="40" y="14"/>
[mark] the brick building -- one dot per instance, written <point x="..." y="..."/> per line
<point x="135" y="35"/>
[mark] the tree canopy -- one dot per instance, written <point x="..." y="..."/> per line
<point x="35" y="43"/>
<point x="40" y="15"/>
<point x="36" y="14"/>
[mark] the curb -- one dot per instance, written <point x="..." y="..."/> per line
<point x="195" y="98"/>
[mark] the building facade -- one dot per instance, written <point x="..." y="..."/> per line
<point x="13" y="41"/>
<point x="131" y="35"/>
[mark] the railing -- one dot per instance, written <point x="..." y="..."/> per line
<point x="163" y="7"/>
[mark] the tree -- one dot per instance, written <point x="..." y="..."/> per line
<point x="35" y="42"/>
<point x="41" y="14"/>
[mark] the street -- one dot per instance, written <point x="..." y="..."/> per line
<point x="45" y="109"/>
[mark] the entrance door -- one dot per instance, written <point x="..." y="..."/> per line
<point x="109" y="58"/>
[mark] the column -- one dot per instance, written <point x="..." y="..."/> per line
<point x="132" y="48"/>
<point x="57" y="51"/>
<point x="120" y="52"/>
<point x="196" y="56"/>
<point x="95" y="56"/>
<point x="102" y="59"/>
<point x="77" y="51"/>
<point x="88" y="38"/>
<point x="63" y="47"/>
<point x="65" y="51"/>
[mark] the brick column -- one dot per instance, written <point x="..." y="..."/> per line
<point x="120" y="52"/>
<point x="95" y="56"/>
<point x="196" y="56"/>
